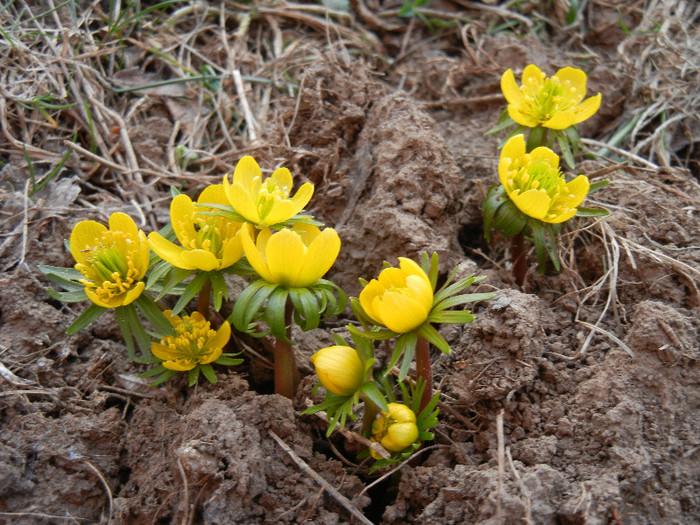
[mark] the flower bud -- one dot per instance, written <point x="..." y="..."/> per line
<point x="395" y="430"/>
<point x="340" y="369"/>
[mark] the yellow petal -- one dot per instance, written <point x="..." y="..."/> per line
<point x="83" y="237"/>
<point x="285" y="255"/>
<point x="533" y="77"/>
<point x="399" y="436"/>
<point x="340" y="369"/>
<point x="511" y="155"/>
<point x="523" y="119"/>
<point x="420" y="291"/>
<point x="200" y="259"/>
<point x="181" y="218"/>
<point x="579" y="189"/>
<point x="143" y="256"/>
<point x="367" y="296"/>
<point x="179" y="366"/>
<point x="533" y="203"/>
<point x="283" y="178"/>
<point x="213" y="194"/>
<point x="168" y="251"/>
<point x="254" y="254"/>
<point x="561" y="120"/>
<point x="122" y="222"/>
<point x="232" y="249"/>
<point x="587" y="108"/>
<point x="112" y="303"/>
<point x="133" y="293"/>
<point x="248" y="175"/>
<point x="160" y="351"/>
<point x="546" y="155"/>
<point x="399" y="312"/>
<point x="562" y="217"/>
<point x="510" y="88"/>
<point x="575" y="77"/>
<point x="223" y="334"/>
<point x="243" y="202"/>
<point x="320" y="256"/>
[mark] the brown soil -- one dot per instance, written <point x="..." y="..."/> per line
<point x="592" y="374"/>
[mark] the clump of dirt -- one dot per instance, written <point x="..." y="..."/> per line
<point x="572" y="400"/>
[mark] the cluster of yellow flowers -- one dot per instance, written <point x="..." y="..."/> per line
<point x="254" y="225"/>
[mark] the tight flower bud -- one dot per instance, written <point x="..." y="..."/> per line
<point x="340" y="369"/>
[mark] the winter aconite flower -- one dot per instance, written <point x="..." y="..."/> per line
<point x="395" y="430"/>
<point x="340" y="369"/>
<point x="265" y="202"/>
<point x="556" y="102"/>
<point x="400" y="298"/>
<point x="535" y="184"/>
<point x="209" y="242"/>
<point x="113" y="261"/>
<point x="292" y="257"/>
<point x="194" y="343"/>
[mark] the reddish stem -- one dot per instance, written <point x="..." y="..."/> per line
<point x="286" y="370"/>
<point x="204" y="299"/>
<point x="424" y="370"/>
<point x="517" y="256"/>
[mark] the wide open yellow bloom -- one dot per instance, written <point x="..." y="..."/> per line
<point x="194" y="342"/>
<point x="395" y="430"/>
<point x="555" y="102"/>
<point x="293" y="257"/>
<point x="535" y="184"/>
<point x="113" y="261"/>
<point x="340" y="369"/>
<point x="209" y="242"/>
<point x="400" y="298"/>
<point x="268" y="202"/>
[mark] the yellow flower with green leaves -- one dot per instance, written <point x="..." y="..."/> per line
<point x="113" y="261"/>
<point x="400" y="298"/>
<point x="208" y="242"/>
<point x="264" y="202"/>
<point x="395" y="430"/>
<point x="340" y="369"/>
<point x="535" y="184"/>
<point x="556" y="102"/>
<point x="194" y="342"/>
<point x="294" y="257"/>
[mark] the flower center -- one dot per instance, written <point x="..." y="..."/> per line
<point x="270" y="193"/>
<point x="110" y="270"/>
<point x="550" y="97"/>
<point x="190" y="344"/>
<point x="210" y="232"/>
<point x="536" y="175"/>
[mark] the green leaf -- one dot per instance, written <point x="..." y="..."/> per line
<point x="208" y="372"/>
<point x="504" y="123"/>
<point x="597" y="186"/>
<point x="536" y="137"/>
<point x="193" y="288"/>
<point x="403" y="342"/>
<point x="451" y="317"/>
<point x="136" y="330"/>
<point x="370" y="390"/>
<point x="249" y="303"/>
<point x="174" y="277"/>
<point x="508" y="219"/>
<point x="544" y="248"/>
<point x="495" y="197"/>
<point x="275" y="313"/>
<point x="379" y="335"/>
<point x="592" y="212"/>
<point x="409" y="352"/>
<point x="228" y="361"/>
<point x="565" y="149"/>
<point x="457" y="300"/>
<point x="157" y="272"/>
<point x="154" y="315"/>
<point x="122" y="317"/>
<point x="193" y="375"/>
<point x="77" y="296"/>
<point x="218" y="288"/>
<point x="87" y="317"/>
<point x="69" y="274"/>
<point x="306" y="304"/>
<point x="432" y="335"/>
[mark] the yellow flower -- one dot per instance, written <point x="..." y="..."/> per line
<point x="209" y="242"/>
<point x="555" y="102"/>
<point x="194" y="342"/>
<point x="395" y="430"/>
<point x="113" y="261"/>
<point x="340" y="369"/>
<point x="535" y="184"/>
<point x="400" y="298"/>
<point x="268" y="202"/>
<point x="293" y="257"/>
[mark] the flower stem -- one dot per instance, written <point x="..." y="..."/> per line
<point x="286" y="371"/>
<point x="204" y="299"/>
<point x="517" y="256"/>
<point x="424" y="370"/>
